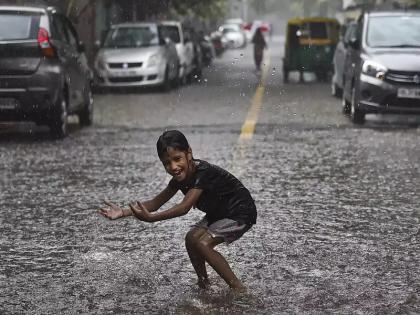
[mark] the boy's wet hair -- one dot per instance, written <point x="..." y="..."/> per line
<point x="173" y="139"/>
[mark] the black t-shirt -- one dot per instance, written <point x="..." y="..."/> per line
<point x="223" y="196"/>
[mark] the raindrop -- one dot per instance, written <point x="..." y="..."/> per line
<point x="196" y="76"/>
<point x="241" y="55"/>
<point x="205" y="80"/>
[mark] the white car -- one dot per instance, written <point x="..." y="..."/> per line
<point x="136" y="54"/>
<point x="184" y="46"/>
<point x="234" y="35"/>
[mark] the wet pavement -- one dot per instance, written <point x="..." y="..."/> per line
<point x="339" y="208"/>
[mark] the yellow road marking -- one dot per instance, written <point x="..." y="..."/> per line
<point x="248" y="127"/>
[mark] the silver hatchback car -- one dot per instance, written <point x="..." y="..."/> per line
<point x="136" y="54"/>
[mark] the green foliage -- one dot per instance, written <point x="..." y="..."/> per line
<point x="205" y="9"/>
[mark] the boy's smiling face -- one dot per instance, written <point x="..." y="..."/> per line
<point x="178" y="163"/>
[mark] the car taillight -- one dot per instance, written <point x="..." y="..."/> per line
<point x="44" y="43"/>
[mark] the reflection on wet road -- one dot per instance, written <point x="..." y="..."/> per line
<point x="338" y="226"/>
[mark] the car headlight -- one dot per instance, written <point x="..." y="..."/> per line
<point x="154" y="60"/>
<point x="374" y="69"/>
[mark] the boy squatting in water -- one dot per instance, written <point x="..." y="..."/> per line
<point x="229" y="207"/>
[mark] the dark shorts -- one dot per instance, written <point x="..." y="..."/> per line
<point x="228" y="229"/>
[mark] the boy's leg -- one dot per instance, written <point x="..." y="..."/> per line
<point x="217" y="261"/>
<point x="197" y="260"/>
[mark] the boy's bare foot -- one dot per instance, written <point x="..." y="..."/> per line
<point x="203" y="283"/>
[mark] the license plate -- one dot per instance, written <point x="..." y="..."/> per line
<point x="127" y="73"/>
<point x="409" y="93"/>
<point x="8" y="103"/>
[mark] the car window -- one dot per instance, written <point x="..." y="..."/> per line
<point x="19" y="25"/>
<point x="172" y="32"/>
<point x="393" y="31"/>
<point x="136" y="36"/>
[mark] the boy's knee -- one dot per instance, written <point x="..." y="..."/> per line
<point x="192" y="237"/>
<point x="205" y="242"/>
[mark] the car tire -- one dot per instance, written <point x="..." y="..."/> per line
<point x="86" y="114"/>
<point x="58" y="122"/>
<point x="356" y="115"/>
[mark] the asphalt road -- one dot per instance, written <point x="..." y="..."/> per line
<point x="338" y="226"/>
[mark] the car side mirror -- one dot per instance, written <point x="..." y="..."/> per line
<point x="354" y="43"/>
<point x="81" y="47"/>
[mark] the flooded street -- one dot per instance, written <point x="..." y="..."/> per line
<point x="338" y="204"/>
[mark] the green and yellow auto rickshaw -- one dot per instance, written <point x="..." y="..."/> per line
<point x="310" y="44"/>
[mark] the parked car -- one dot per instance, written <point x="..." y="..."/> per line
<point x="382" y="72"/>
<point x="44" y="75"/>
<point x="234" y="35"/>
<point x="184" y="47"/>
<point x="339" y="59"/>
<point x="136" y="54"/>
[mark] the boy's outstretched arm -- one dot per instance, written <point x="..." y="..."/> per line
<point x="142" y="213"/>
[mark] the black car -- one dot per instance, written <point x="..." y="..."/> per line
<point x="382" y="72"/>
<point x="44" y="75"/>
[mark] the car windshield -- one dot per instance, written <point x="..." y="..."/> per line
<point x="18" y="25"/>
<point x="394" y="31"/>
<point x="131" y="37"/>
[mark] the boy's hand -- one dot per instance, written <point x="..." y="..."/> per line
<point x="113" y="212"/>
<point x="140" y="212"/>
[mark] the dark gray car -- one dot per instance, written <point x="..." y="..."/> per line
<point x="44" y="75"/>
<point x="382" y="71"/>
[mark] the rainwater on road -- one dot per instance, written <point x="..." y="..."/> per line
<point x="339" y="208"/>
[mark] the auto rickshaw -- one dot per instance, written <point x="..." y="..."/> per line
<point x="310" y="45"/>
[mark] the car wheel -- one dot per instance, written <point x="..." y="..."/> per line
<point x="86" y="115"/>
<point x="58" y="123"/>
<point x="356" y="115"/>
